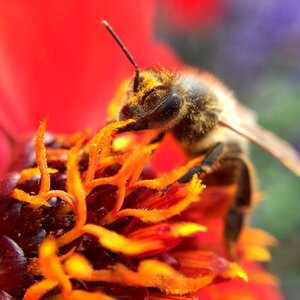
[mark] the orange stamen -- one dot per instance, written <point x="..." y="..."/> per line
<point x="192" y="192"/>
<point x="80" y="295"/>
<point x="51" y="266"/>
<point x="76" y="189"/>
<point x="41" y="157"/>
<point x="99" y="147"/>
<point x="118" y="243"/>
<point x="236" y="271"/>
<point x="31" y="172"/>
<point x="116" y="159"/>
<point x="37" y="290"/>
<point x="152" y="273"/>
<point x="78" y="266"/>
<point x="40" y="151"/>
<point x="129" y="173"/>
<point x="168" y="179"/>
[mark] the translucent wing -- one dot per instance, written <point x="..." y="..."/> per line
<point x="280" y="149"/>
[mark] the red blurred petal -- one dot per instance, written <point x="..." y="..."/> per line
<point x="5" y="153"/>
<point x="169" y="155"/>
<point x="239" y="289"/>
<point x="193" y="14"/>
<point x="56" y="58"/>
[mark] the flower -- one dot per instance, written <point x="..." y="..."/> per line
<point x="56" y="58"/>
<point x="82" y="218"/>
<point x="90" y="218"/>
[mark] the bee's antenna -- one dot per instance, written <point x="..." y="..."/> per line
<point x="118" y="40"/>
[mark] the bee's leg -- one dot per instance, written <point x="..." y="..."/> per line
<point x="234" y="220"/>
<point x="158" y="138"/>
<point x="224" y="164"/>
<point x="208" y="163"/>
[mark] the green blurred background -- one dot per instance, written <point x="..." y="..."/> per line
<point x="254" y="47"/>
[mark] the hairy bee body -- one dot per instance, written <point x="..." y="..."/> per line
<point x="207" y="98"/>
<point x="193" y="120"/>
<point x="204" y="116"/>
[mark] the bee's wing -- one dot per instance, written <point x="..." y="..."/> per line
<point x="280" y="149"/>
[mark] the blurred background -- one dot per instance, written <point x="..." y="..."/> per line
<point x="254" y="48"/>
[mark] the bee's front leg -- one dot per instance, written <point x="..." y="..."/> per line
<point x="225" y="164"/>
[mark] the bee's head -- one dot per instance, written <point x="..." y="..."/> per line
<point x="156" y="103"/>
<point x="152" y="98"/>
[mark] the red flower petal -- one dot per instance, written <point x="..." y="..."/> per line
<point x="5" y="153"/>
<point x="57" y="58"/>
<point x="239" y="289"/>
<point x="187" y="15"/>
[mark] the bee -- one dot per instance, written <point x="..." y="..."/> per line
<point x="205" y="117"/>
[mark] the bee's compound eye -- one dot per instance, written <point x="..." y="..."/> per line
<point x="130" y="111"/>
<point x="125" y="112"/>
<point x="167" y="110"/>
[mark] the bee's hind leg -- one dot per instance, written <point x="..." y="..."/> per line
<point x="235" y="218"/>
<point x="224" y="164"/>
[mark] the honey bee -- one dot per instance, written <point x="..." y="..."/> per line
<point x="205" y="117"/>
